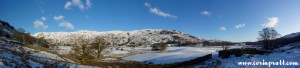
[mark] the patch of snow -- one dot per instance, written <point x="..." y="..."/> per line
<point x="82" y="66"/>
<point x="109" y="60"/>
<point x="7" y="56"/>
<point x="44" y="54"/>
<point x="119" y="52"/>
<point x="63" y="49"/>
<point x="35" y="64"/>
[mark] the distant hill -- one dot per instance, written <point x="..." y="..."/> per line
<point x="137" y="37"/>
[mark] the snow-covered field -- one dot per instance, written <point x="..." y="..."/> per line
<point x="288" y="53"/>
<point x="172" y="55"/>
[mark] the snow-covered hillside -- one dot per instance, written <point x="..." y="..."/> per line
<point x="291" y="35"/>
<point x="15" y="55"/>
<point x="19" y="54"/>
<point x="137" y="37"/>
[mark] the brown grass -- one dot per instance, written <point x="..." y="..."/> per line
<point x="70" y="57"/>
<point x="24" y="58"/>
<point x="41" y="49"/>
<point x="52" y="52"/>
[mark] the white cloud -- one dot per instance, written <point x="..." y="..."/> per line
<point x="222" y="28"/>
<point x="240" y="26"/>
<point x="60" y="17"/>
<point x="206" y="13"/>
<point x="67" y="25"/>
<point x="78" y="4"/>
<point x="147" y="5"/>
<point x="44" y="18"/>
<point x="273" y="21"/>
<point x="40" y="24"/>
<point x="158" y="12"/>
<point x="63" y="23"/>
<point x="161" y="13"/>
<point x="68" y="5"/>
<point x="88" y="3"/>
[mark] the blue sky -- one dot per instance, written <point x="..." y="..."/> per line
<point x="234" y="20"/>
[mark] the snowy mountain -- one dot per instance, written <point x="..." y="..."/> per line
<point x="120" y="38"/>
<point x="291" y="35"/>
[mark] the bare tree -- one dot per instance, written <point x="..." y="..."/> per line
<point x="99" y="44"/>
<point x="82" y="48"/>
<point x="29" y="39"/>
<point x="266" y="35"/>
<point x="42" y="42"/>
<point x="55" y="42"/>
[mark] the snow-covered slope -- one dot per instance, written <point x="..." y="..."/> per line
<point x="137" y="37"/>
<point x="14" y="54"/>
<point x="292" y="35"/>
<point x="17" y="54"/>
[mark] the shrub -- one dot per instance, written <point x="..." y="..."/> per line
<point x="239" y="52"/>
<point x="29" y="39"/>
<point x="43" y="42"/>
<point x="159" y="47"/>
<point x="224" y="54"/>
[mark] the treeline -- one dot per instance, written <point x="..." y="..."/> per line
<point x="239" y="52"/>
<point x="216" y="43"/>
